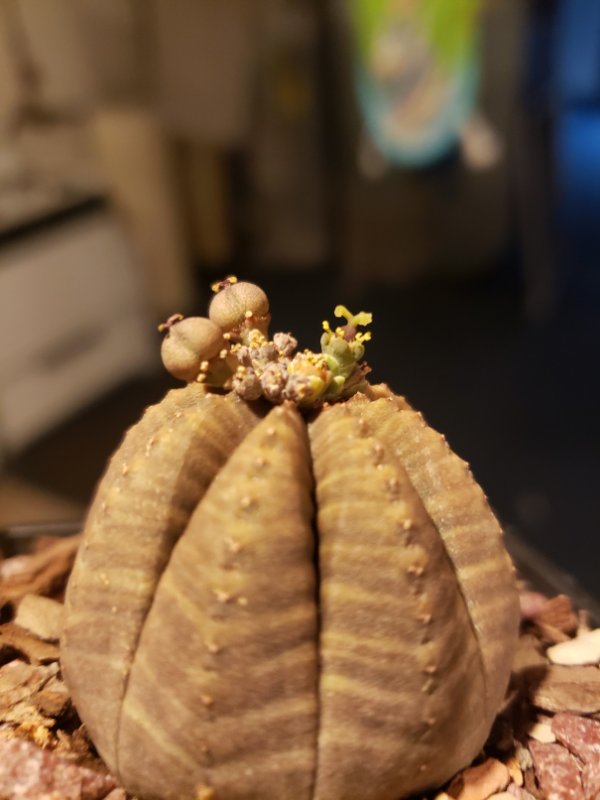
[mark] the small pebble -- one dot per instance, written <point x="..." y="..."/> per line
<point x="557" y="771"/>
<point x="542" y="732"/>
<point x="532" y="603"/>
<point x="559" y="614"/>
<point x="480" y="782"/>
<point x="514" y="770"/>
<point x="584" y="649"/>
<point x="517" y="791"/>
<point x="29" y="772"/>
<point x="41" y="616"/>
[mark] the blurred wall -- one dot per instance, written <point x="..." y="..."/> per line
<point x="9" y="91"/>
<point x="119" y="46"/>
<point x="55" y="32"/>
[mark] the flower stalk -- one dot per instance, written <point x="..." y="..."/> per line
<point x="253" y="365"/>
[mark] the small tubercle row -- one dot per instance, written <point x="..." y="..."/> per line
<point x="231" y="350"/>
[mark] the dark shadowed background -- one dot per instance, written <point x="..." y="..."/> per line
<point x="149" y="148"/>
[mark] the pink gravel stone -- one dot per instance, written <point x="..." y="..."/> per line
<point x="29" y="773"/>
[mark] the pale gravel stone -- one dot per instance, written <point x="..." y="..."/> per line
<point x="523" y="757"/>
<point x="41" y="616"/>
<point x="584" y="649"/>
<point x="542" y="732"/>
<point x="514" y="770"/>
<point x="518" y="792"/>
<point x="480" y="782"/>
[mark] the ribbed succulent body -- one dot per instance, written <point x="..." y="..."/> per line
<point x="277" y="606"/>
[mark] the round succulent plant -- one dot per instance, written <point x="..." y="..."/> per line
<point x="289" y="588"/>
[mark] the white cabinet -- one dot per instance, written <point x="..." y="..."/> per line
<point x="72" y="323"/>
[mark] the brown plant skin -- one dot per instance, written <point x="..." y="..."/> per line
<point x="142" y="506"/>
<point x="208" y="649"/>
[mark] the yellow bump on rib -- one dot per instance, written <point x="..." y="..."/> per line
<point x="273" y="618"/>
<point x="123" y="579"/>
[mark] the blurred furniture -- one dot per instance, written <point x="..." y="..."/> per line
<point x="73" y="320"/>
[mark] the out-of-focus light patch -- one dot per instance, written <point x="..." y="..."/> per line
<point x="481" y="145"/>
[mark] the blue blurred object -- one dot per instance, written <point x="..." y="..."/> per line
<point x="577" y="53"/>
<point x="577" y="147"/>
<point x="576" y="97"/>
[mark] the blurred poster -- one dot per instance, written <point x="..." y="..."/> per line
<point x="416" y="74"/>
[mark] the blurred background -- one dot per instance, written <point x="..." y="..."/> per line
<point x="435" y="163"/>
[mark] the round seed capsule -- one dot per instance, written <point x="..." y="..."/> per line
<point x="235" y="303"/>
<point x="188" y="343"/>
